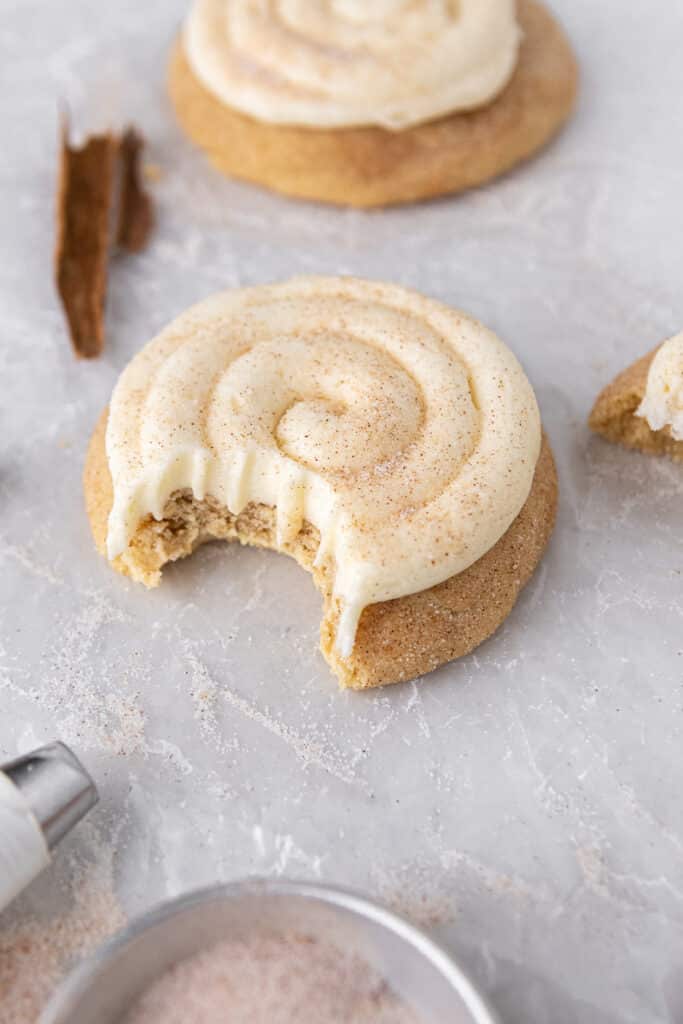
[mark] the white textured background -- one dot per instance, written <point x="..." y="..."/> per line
<point x="526" y="801"/>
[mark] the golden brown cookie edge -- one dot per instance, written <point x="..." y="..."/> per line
<point x="410" y="636"/>
<point x="371" y="166"/>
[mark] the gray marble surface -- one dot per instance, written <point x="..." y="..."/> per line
<point x="524" y="802"/>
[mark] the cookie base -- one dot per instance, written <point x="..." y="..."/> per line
<point x="614" y="414"/>
<point x="396" y="640"/>
<point x="370" y="166"/>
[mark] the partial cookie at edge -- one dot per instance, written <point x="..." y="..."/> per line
<point x="374" y="166"/>
<point x="614" y="414"/>
<point x="396" y="640"/>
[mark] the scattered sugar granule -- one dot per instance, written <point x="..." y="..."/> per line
<point x="36" y="953"/>
<point x="278" y="979"/>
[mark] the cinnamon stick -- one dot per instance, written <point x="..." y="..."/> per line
<point x="84" y="203"/>
<point x="94" y="180"/>
<point x="136" y="213"/>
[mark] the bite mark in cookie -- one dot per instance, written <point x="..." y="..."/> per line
<point x="389" y="443"/>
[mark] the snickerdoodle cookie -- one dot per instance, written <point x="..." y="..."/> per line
<point x="369" y="104"/>
<point x="643" y="407"/>
<point x="390" y="444"/>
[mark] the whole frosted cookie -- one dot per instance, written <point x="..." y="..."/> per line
<point x="370" y="104"/>
<point x="643" y="407"/>
<point x="391" y="444"/>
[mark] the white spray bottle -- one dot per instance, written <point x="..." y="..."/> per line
<point x="42" y="796"/>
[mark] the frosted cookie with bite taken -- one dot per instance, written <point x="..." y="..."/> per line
<point x="643" y="407"/>
<point x="390" y="444"/>
<point x="370" y="103"/>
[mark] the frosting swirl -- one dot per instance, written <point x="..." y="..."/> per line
<point x="405" y="431"/>
<point x="340" y="63"/>
<point x="662" y="405"/>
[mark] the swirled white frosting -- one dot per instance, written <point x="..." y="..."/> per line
<point x="405" y="431"/>
<point x="662" y="405"/>
<point x="339" y="63"/>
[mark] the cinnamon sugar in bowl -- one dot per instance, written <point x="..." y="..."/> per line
<point x="271" y="951"/>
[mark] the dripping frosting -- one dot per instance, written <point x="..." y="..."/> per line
<point x="403" y="430"/>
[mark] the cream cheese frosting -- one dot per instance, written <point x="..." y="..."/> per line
<point x="403" y="430"/>
<point x="662" y="405"/>
<point x="343" y="63"/>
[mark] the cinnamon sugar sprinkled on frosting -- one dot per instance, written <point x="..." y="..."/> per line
<point x="403" y="430"/>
